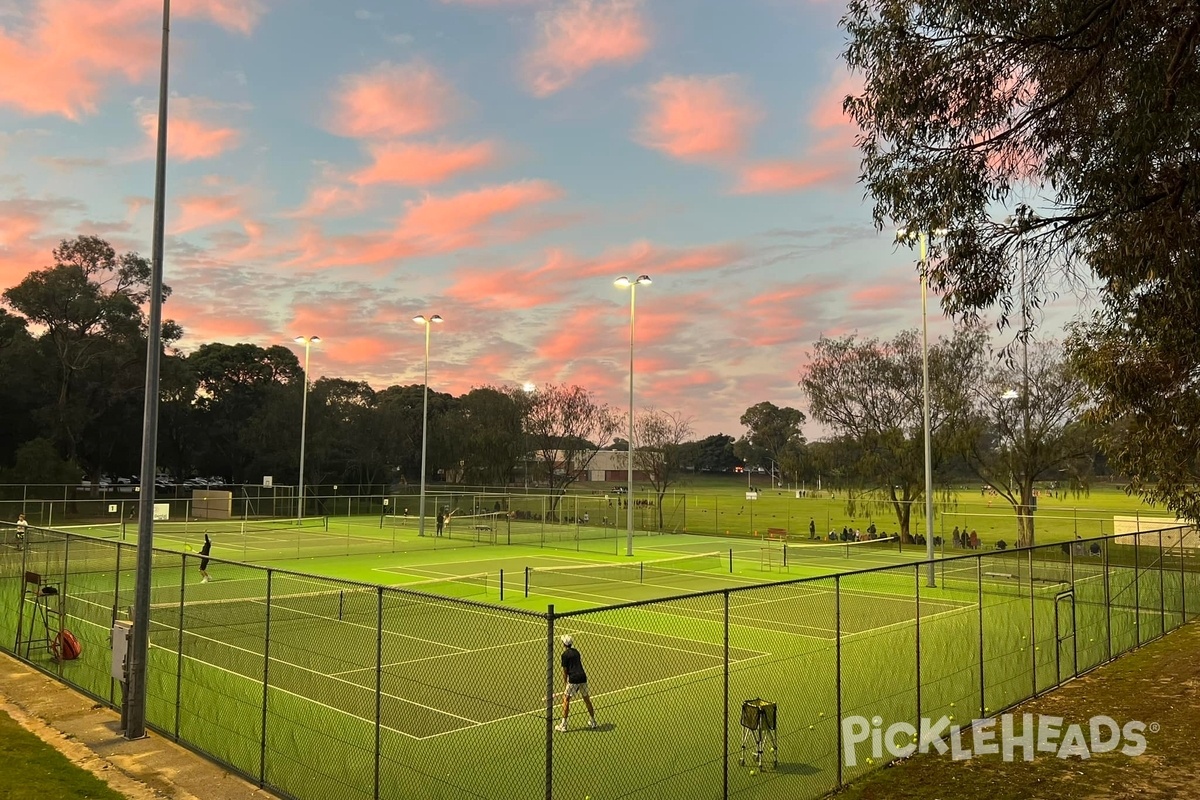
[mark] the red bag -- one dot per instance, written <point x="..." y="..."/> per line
<point x="66" y="647"/>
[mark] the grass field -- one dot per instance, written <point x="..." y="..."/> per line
<point x="456" y="690"/>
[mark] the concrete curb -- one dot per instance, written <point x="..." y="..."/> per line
<point x="87" y="734"/>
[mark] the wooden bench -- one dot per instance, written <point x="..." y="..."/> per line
<point x="777" y="534"/>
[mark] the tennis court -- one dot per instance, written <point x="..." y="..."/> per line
<point x="327" y="688"/>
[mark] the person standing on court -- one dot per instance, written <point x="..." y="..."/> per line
<point x="576" y="680"/>
<point x="441" y="521"/>
<point x="205" y="549"/>
<point x="812" y="528"/>
<point x="22" y="527"/>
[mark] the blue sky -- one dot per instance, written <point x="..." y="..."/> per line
<point x="337" y="168"/>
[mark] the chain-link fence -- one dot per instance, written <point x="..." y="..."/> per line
<point x="320" y="688"/>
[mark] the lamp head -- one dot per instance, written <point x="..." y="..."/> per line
<point x="622" y="282"/>
<point x="643" y="279"/>
<point x="436" y="318"/>
<point x="307" y="340"/>
<point x="419" y="319"/>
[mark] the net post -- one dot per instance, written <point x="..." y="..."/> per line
<point x="262" y="762"/>
<point x="550" y="702"/>
<point x="527" y="581"/>
<point x="341" y="605"/>
<point x="785" y="549"/>
<point x="378" y="681"/>
<point x="502" y="584"/>
<point x="731" y="560"/>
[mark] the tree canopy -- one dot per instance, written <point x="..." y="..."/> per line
<point x="1087" y="111"/>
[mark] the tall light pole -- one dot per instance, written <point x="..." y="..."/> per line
<point x="139" y="643"/>
<point x="1021" y="222"/>
<point x="308" y="342"/>
<point x="421" y="319"/>
<point x="923" y="238"/>
<point x="624" y="282"/>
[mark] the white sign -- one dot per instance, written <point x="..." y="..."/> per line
<point x="162" y="512"/>
<point x="268" y="481"/>
<point x="120" y="647"/>
<point x="751" y="495"/>
<point x="112" y="508"/>
<point x="385" y="502"/>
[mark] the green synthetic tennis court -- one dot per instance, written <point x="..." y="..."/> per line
<point x="325" y="687"/>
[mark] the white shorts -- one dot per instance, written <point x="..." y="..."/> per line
<point x="580" y="689"/>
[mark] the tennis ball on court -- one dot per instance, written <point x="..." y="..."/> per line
<point x="822" y="715"/>
<point x="952" y="705"/>
<point x="952" y="718"/>
<point x="870" y="761"/>
<point x="987" y="711"/>
<point x="810" y="727"/>
<point x="751" y="772"/>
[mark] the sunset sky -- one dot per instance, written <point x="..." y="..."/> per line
<point x="337" y="167"/>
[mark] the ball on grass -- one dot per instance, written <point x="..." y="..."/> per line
<point x="751" y="772"/>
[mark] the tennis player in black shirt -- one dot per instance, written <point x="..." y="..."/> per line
<point x="576" y="680"/>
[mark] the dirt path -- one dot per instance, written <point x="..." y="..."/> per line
<point x="1158" y="685"/>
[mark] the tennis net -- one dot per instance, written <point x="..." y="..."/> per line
<point x="350" y="604"/>
<point x="234" y="526"/>
<point x="826" y="550"/>
<point x="633" y="572"/>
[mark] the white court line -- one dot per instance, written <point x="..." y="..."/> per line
<point x="539" y="713"/>
<point x="258" y="682"/>
<point x="539" y="640"/>
<point x="325" y="675"/>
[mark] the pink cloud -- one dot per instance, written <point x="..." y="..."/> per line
<point x="190" y="139"/>
<point x="533" y="285"/>
<point x="829" y="158"/>
<point x="67" y="51"/>
<point x="204" y="211"/>
<point x="788" y="176"/>
<point x="392" y="100"/>
<point x="697" y="117"/>
<point x="26" y="237"/>
<point x="454" y="218"/>
<point x="419" y="164"/>
<point x="576" y="36"/>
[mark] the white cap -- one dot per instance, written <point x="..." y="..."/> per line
<point x="568" y="641"/>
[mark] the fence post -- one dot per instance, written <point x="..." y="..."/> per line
<point x="64" y="589"/>
<point x="262" y="762"/>
<point x="1137" y="587"/>
<point x="917" y="607"/>
<point x="1032" y="625"/>
<point x="979" y="589"/>
<point x="378" y="681"/>
<point x="837" y="616"/>
<point x="1182" y="579"/>
<point x="725" y="732"/>
<point x="1162" y="588"/>
<point x="1107" y="605"/>
<point x="549" y="701"/>
<point x="179" y="641"/>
